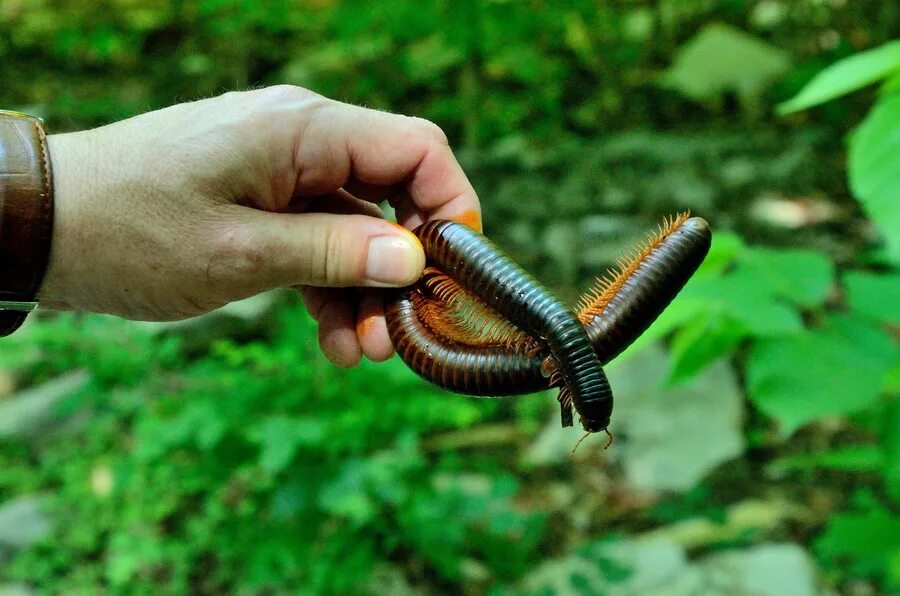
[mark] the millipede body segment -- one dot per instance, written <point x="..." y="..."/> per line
<point x="478" y="324"/>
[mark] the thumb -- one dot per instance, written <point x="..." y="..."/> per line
<point x="267" y="250"/>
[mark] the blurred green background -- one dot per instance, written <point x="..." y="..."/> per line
<point x="757" y="424"/>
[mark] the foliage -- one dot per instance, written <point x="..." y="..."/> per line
<point x="867" y="538"/>
<point x="729" y="60"/>
<point x="189" y="475"/>
<point x="244" y="463"/>
<point x="796" y="372"/>
<point x="874" y="147"/>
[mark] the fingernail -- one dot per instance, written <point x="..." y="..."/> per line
<point x="392" y="261"/>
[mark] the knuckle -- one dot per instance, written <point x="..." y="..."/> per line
<point x="329" y="261"/>
<point x="229" y="97"/>
<point x="333" y="269"/>
<point x="431" y="131"/>
<point x="279" y="94"/>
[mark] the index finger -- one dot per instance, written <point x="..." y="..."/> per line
<point x="440" y="187"/>
<point x="341" y="143"/>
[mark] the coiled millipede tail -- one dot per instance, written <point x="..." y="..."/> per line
<point x="477" y="323"/>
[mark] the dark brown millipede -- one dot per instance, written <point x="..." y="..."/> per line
<point x="476" y="323"/>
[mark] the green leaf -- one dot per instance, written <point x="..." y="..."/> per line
<point x="858" y="458"/>
<point x="721" y="58"/>
<point x="749" y="299"/>
<point x="891" y="85"/>
<point x="680" y="312"/>
<point x="128" y="553"/>
<point x="846" y="76"/>
<point x="431" y="58"/>
<point x="875" y="295"/>
<point x="874" y="164"/>
<point x="837" y="370"/>
<point x="280" y="437"/>
<point x="700" y="343"/>
<point x="802" y="276"/>
<point x="692" y="303"/>
<point x="891" y="443"/>
<point x="725" y="248"/>
<point x="869" y="541"/>
<point x="347" y="494"/>
<point x="577" y="37"/>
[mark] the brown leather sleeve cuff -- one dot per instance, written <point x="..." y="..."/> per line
<point x="26" y="213"/>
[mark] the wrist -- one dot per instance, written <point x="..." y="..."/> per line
<point x="71" y="263"/>
<point x="26" y="215"/>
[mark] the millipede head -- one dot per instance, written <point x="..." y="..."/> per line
<point x="594" y="426"/>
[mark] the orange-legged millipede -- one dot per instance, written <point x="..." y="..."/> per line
<point x="476" y="323"/>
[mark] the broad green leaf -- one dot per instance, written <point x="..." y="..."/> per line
<point x="893" y="380"/>
<point x="700" y="343"/>
<point x="846" y="76"/>
<point x="869" y="541"/>
<point x="870" y="341"/>
<point x="721" y="58"/>
<point x="891" y="442"/>
<point x="837" y="370"/>
<point x="875" y="169"/>
<point x="891" y="85"/>
<point x="692" y="302"/>
<point x="875" y="295"/>
<point x="725" y="248"/>
<point x="892" y="580"/>
<point x="749" y="299"/>
<point x="802" y="276"/>
<point x="680" y="312"/>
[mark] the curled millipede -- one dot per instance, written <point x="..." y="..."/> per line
<point x="463" y="258"/>
<point x="476" y="323"/>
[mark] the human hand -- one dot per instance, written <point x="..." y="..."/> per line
<point x="180" y="211"/>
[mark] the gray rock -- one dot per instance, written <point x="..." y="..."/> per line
<point x="641" y="567"/>
<point x="23" y="522"/>
<point x="617" y="569"/>
<point x="670" y="438"/>
<point x="28" y="412"/>
<point x="16" y="590"/>
<point x="665" y="438"/>
<point x="762" y="570"/>
<point x="554" y="443"/>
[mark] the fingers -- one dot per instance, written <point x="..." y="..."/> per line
<point x="349" y="154"/>
<point x="345" y="332"/>
<point x="371" y="328"/>
<point x="369" y="150"/>
<point x="335" y="311"/>
<point x="440" y="188"/>
<point x="258" y="250"/>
